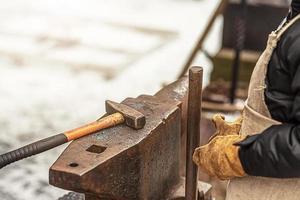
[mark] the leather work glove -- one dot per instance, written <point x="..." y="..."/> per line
<point x="224" y="128"/>
<point x="219" y="158"/>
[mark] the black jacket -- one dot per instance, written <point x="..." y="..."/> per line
<point x="276" y="151"/>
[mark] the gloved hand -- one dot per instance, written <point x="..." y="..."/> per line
<point x="219" y="158"/>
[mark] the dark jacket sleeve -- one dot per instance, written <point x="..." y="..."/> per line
<point x="276" y="151"/>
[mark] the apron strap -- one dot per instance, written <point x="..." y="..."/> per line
<point x="284" y="28"/>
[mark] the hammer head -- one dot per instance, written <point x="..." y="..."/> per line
<point x="133" y="118"/>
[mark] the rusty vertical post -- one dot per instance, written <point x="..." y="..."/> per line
<point x="193" y="130"/>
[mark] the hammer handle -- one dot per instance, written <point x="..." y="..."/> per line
<point x="106" y="122"/>
<point x="57" y="140"/>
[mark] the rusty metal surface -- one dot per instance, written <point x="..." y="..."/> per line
<point x="193" y="130"/>
<point x="178" y="91"/>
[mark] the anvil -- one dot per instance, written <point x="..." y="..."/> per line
<point x="121" y="163"/>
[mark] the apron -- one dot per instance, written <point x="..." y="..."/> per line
<point x="257" y="118"/>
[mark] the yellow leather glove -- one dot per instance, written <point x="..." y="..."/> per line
<point x="219" y="158"/>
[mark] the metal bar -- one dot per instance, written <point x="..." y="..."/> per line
<point x="193" y="130"/>
<point x="201" y="40"/>
<point x="240" y="34"/>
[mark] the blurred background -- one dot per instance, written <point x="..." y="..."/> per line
<point x="60" y="60"/>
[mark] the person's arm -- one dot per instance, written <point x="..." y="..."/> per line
<point x="276" y="151"/>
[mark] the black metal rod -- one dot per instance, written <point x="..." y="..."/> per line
<point x="32" y="149"/>
<point x="240" y="34"/>
<point x="193" y="131"/>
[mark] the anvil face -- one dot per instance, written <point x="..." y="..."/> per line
<point x="122" y="163"/>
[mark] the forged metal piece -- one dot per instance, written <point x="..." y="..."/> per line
<point x="123" y="163"/>
<point x="193" y="130"/>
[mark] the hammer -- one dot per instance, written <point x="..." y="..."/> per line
<point x="116" y="114"/>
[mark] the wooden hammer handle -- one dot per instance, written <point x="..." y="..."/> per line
<point x="106" y="122"/>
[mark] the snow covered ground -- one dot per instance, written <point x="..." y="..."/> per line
<point x="59" y="61"/>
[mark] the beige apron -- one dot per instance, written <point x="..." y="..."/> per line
<point x="256" y="119"/>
